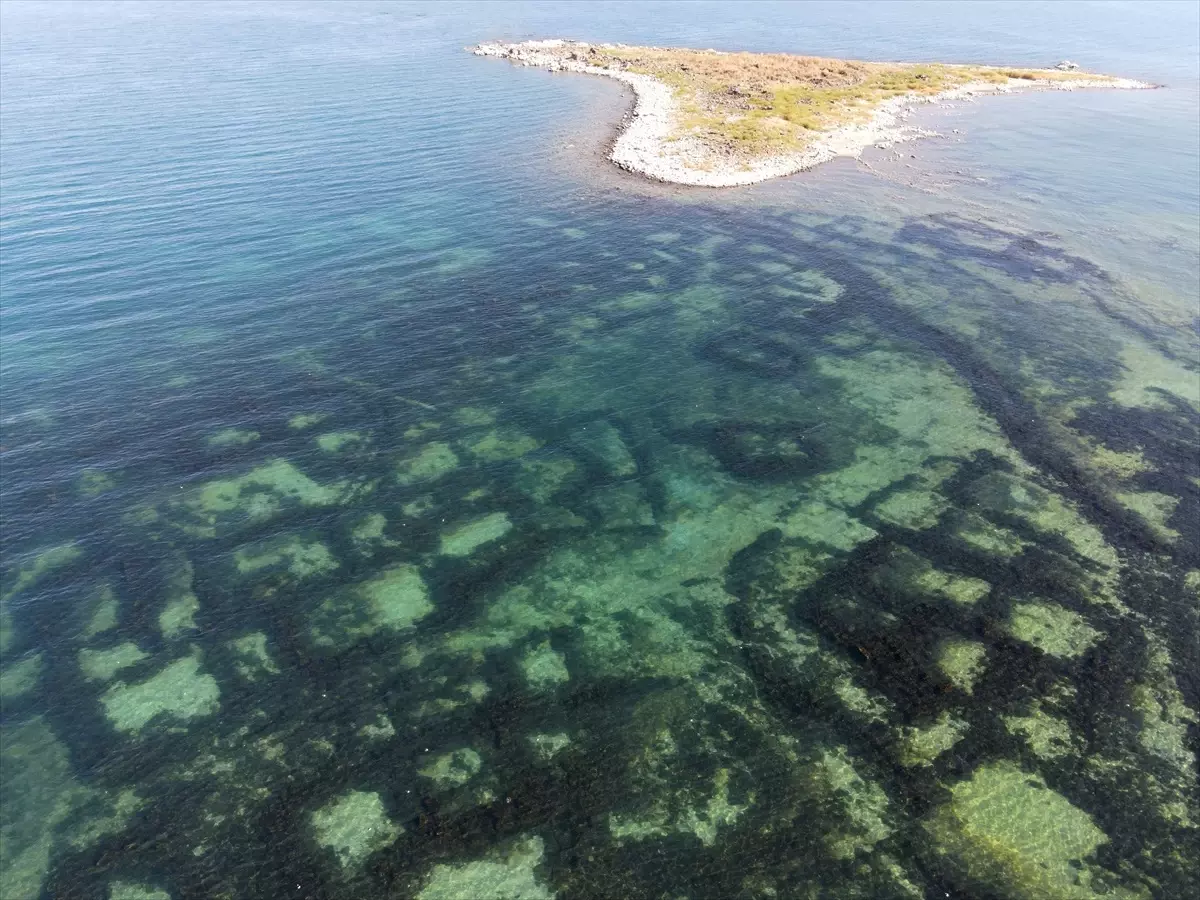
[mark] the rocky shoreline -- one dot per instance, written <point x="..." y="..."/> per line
<point x="652" y="144"/>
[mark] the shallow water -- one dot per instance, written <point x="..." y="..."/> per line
<point x="398" y="501"/>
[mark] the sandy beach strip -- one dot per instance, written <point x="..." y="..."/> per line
<point x="651" y="143"/>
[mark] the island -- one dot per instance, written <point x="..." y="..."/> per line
<point x="721" y="119"/>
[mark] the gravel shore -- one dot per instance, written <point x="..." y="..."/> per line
<point x="650" y="145"/>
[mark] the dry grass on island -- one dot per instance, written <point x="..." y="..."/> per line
<point x="721" y="118"/>
<point x="754" y="102"/>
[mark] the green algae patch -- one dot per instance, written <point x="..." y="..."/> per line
<point x="540" y="479"/>
<point x="1051" y="628"/>
<point x="982" y="534"/>
<point x="429" y="464"/>
<point x="354" y="826"/>
<point x="41" y="565"/>
<point x="1122" y="464"/>
<point x="509" y="875"/>
<point x="1149" y="379"/>
<point x="502" y="444"/>
<point x="395" y="599"/>
<point x="306" y="420"/>
<point x="820" y="523"/>
<point x="922" y="746"/>
<point x="474" y="417"/>
<point x="860" y="804"/>
<point x="300" y="557"/>
<point x="132" y="890"/>
<point x="103" y="608"/>
<point x="94" y="482"/>
<point x="961" y="661"/>
<point x="103" y="665"/>
<point x="544" y="668"/>
<point x="1005" y="828"/>
<point x="1047" y="736"/>
<point x="227" y="438"/>
<point x="37" y="793"/>
<point x="912" y="509"/>
<point x="252" y="659"/>
<point x="370" y="533"/>
<point x="546" y="745"/>
<point x="178" y="616"/>
<point x="603" y="444"/>
<point x="1155" y="508"/>
<point x="259" y="495"/>
<point x="1164" y="716"/>
<point x="1047" y="512"/>
<point x="20" y="678"/>
<point x="913" y="574"/>
<point x="180" y="692"/>
<point x="716" y="813"/>
<point x="467" y="538"/>
<point x="453" y="769"/>
<point x="337" y="441"/>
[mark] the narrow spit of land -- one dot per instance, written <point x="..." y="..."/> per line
<point x="717" y="119"/>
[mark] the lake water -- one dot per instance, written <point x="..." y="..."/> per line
<point x="399" y="501"/>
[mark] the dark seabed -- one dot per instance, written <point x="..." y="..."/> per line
<point x="399" y="502"/>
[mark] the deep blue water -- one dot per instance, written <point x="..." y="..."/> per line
<point x="705" y="484"/>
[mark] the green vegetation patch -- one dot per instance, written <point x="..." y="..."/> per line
<point x="102" y="665"/>
<point x="507" y="875"/>
<point x="912" y="574"/>
<point x="42" y="564"/>
<point x="231" y="437"/>
<point x="257" y="496"/>
<point x="354" y="826"/>
<point x="1004" y="827"/>
<point x="180" y="691"/>
<point x="20" y="678"/>
<point x="544" y="667"/>
<point x="253" y="659"/>
<point x="395" y="599"/>
<point x="131" y="890"/>
<point x="962" y="661"/>
<point x="502" y="444"/>
<point x="300" y="557"/>
<point x="337" y="441"/>
<point x="1051" y="628"/>
<point x="921" y="746"/>
<point x="453" y="769"/>
<point x="467" y="538"/>
<point x="429" y="464"/>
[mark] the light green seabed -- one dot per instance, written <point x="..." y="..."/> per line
<point x="354" y="826"/>
<point x="1051" y="628"/>
<point x="300" y="557"/>
<point x="429" y="464"/>
<point x="505" y="875"/>
<point x="180" y="692"/>
<point x="102" y="665"/>
<point x="337" y="441"/>
<point x="467" y="538"/>
<point x="452" y="769"/>
<point x="130" y="890"/>
<point x="232" y="437"/>
<point x="395" y="599"/>
<point x="1006" y="828"/>
<point x="19" y="678"/>
<point x="544" y="668"/>
<point x="42" y="564"/>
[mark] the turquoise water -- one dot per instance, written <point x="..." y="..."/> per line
<point x="398" y="501"/>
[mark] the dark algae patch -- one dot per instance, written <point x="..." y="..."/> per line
<point x="713" y="555"/>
